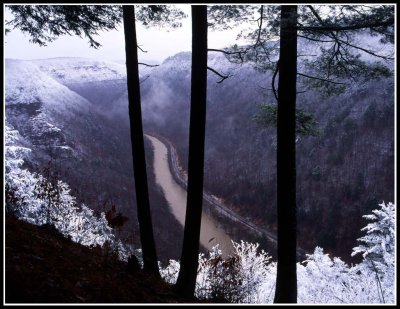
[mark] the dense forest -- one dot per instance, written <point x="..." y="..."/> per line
<point x="349" y="161"/>
<point x="73" y="152"/>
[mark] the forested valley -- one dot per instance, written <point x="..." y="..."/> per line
<point x="69" y="160"/>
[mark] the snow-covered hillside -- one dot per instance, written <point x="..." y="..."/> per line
<point x="103" y="83"/>
<point x="25" y="83"/>
<point x="40" y="107"/>
<point x="73" y="70"/>
<point x="63" y="126"/>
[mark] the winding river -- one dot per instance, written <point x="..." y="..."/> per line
<point x="212" y="232"/>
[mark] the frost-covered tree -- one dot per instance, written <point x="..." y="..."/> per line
<point x="322" y="279"/>
<point x="378" y="248"/>
<point x="15" y="154"/>
<point x="377" y="245"/>
<point x="37" y="200"/>
<point x="248" y="276"/>
<point x="240" y="278"/>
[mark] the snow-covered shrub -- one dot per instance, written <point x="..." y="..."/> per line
<point x="254" y="268"/>
<point x="40" y="200"/>
<point x="218" y="277"/>
<point x="124" y="251"/>
<point x="239" y="278"/>
<point x="15" y="154"/>
<point x="170" y="273"/>
<point x="248" y="276"/>
<point x="323" y="280"/>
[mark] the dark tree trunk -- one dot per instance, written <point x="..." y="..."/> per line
<point x="190" y="250"/>
<point x="138" y="153"/>
<point x="286" y="280"/>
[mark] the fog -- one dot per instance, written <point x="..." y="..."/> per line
<point x="158" y="43"/>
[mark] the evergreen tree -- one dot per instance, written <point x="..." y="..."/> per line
<point x="138" y="152"/>
<point x="334" y="32"/>
<point x="189" y="259"/>
<point x="286" y="280"/>
<point x="377" y="246"/>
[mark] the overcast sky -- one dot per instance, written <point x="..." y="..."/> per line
<point x="158" y="42"/>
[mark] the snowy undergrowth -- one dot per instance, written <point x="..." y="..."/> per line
<point x="248" y="275"/>
<point x="38" y="200"/>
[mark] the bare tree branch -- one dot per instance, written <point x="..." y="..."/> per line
<point x="260" y="24"/>
<point x="141" y="49"/>
<point x="336" y="47"/>
<point x="223" y="77"/>
<point x="377" y="278"/>
<point x="144" y="79"/>
<point x="148" y="65"/>
<point x="273" y="81"/>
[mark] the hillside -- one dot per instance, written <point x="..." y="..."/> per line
<point x="343" y="171"/>
<point x="72" y="139"/>
<point x="44" y="267"/>
<point x="68" y="135"/>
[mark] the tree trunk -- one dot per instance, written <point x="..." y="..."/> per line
<point x="190" y="250"/>
<point x="138" y="153"/>
<point x="286" y="281"/>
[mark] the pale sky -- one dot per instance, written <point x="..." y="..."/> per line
<point x="158" y="42"/>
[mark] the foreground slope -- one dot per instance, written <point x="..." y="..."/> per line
<point x="44" y="267"/>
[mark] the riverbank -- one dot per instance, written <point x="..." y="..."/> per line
<point x="212" y="232"/>
<point x="232" y="223"/>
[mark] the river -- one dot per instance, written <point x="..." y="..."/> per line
<point x="212" y="232"/>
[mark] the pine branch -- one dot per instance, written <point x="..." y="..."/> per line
<point x="387" y="23"/>
<point x="367" y="51"/>
<point x="240" y="53"/>
<point x="321" y="79"/>
<point x="338" y="41"/>
<point x="313" y="39"/>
